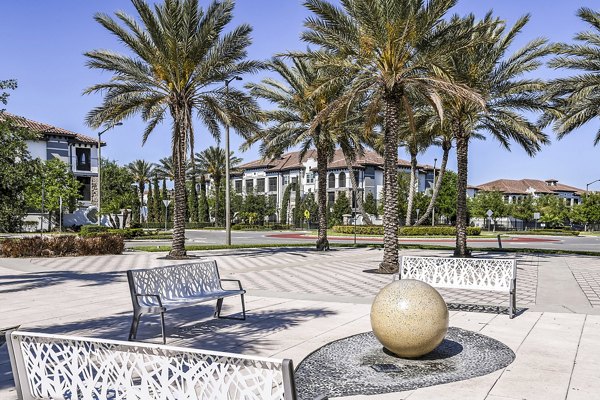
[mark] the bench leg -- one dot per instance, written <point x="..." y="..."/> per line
<point x="134" y="326"/>
<point x="218" y="308"/>
<point x="162" y="327"/>
<point x="220" y="305"/>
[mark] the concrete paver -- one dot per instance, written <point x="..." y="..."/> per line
<point x="300" y="300"/>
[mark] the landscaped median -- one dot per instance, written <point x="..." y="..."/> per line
<point x="377" y="230"/>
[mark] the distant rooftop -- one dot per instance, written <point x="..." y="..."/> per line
<point x="524" y="186"/>
<point x="292" y="160"/>
<point x="45" y="129"/>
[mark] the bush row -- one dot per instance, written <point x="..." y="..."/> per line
<point x="247" y="227"/>
<point x="545" y="232"/>
<point x="406" y="231"/>
<point x="60" y="246"/>
<point x="188" y="225"/>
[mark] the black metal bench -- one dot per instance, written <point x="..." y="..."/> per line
<point x="156" y="290"/>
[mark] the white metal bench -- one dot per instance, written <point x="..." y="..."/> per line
<point x="493" y="274"/>
<point x="68" y="367"/>
<point x="156" y="290"/>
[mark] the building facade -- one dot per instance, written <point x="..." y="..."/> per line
<point x="79" y="152"/>
<point x="272" y="177"/>
<point x="514" y="190"/>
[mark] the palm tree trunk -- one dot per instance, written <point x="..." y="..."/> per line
<point x="322" y="242"/>
<point x="142" y="187"/>
<point x="359" y="200"/>
<point x="411" y="189"/>
<point x="390" y="171"/>
<point x="217" y="194"/>
<point x="182" y="121"/>
<point x="462" y="152"/>
<point x="437" y="186"/>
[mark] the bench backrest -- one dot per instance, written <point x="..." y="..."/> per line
<point x="176" y="281"/>
<point x="67" y="367"/>
<point x="461" y="273"/>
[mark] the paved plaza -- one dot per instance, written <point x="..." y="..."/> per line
<point x="298" y="300"/>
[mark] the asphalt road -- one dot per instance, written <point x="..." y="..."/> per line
<point x="210" y="237"/>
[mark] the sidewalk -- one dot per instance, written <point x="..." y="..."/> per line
<point x="300" y="300"/>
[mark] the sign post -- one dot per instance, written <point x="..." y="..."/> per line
<point x="166" y="203"/>
<point x="489" y="213"/>
<point x="536" y="216"/>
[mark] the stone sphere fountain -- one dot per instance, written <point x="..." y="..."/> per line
<point x="409" y="317"/>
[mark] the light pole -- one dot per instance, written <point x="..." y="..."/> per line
<point x="587" y="185"/>
<point x="227" y="166"/>
<point x="100" y="165"/>
<point x="433" y="209"/>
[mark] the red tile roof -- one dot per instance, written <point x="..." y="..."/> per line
<point x="292" y="161"/>
<point x="524" y="186"/>
<point x="45" y="128"/>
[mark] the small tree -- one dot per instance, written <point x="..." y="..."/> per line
<point x="523" y="209"/>
<point x="16" y="173"/>
<point x="484" y="201"/>
<point x="55" y="180"/>
<point x="340" y="207"/>
<point x="370" y="204"/>
<point x="117" y="194"/>
<point x="446" y="201"/>
<point x="298" y="212"/>
<point x="553" y="210"/>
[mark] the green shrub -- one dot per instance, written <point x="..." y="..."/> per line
<point x="60" y="246"/>
<point x="188" y="225"/>
<point x="406" y="231"/>
<point x="87" y="230"/>
<point x="549" y="232"/>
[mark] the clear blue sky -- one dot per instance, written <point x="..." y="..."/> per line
<point x="43" y="43"/>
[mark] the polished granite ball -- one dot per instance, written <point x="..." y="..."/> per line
<point x="409" y="317"/>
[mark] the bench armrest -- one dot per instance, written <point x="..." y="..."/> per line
<point x="233" y="280"/>
<point x="149" y="295"/>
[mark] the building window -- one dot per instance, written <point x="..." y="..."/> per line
<point x="272" y="184"/>
<point x="83" y="159"/>
<point x="286" y="179"/>
<point x="238" y="186"/>
<point x="85" y="188"/>
<point x="260" y="185"/>
<point x="310" y="178"/>
<point x="330" y="199"/>
<point x="342" y="180"/>
<point x="294" y="179"/>
<point x="331" y="181"/>
<point x="249" y="185"/>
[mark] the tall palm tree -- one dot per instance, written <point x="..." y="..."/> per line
<point x="142" y="171"/>
<point x="211" y="161"/>
<point x="576" y="99"/>
<point x="392" y="51"/>
<point x="181" y="57"/>
<point x="291" y="123"/>
<point x="500" y="79"/>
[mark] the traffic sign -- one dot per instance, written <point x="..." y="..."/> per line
<point x="489" y="213"/>
<point x="306" y="214"/>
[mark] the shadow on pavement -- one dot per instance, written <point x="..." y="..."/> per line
<point x="34" y="280"/>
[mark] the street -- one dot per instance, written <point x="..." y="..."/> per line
<point x="212" y="237"/>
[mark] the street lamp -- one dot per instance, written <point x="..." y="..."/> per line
<point x="227" y="166"/>
<point x="100" y="165"/>
<point x="433" y="209"/>
<point x="587" y="186"/>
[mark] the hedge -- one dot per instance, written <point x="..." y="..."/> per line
<point x="405" y="231"/>
<point x="549" y="232"/>
<point x="60" y="246"/>
<point x="247" y="227"/>
<point x="188" y="225"/>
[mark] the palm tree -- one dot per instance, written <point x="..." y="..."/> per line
<point x="575" y="98"/>
<point x="180" y="59"/>
<point x="141" y="170"/>
<point x="211" y="161"/>
<point x="499" y="78"/>
<point x="165" y="168"/>
<point x="393" y="52"/>
<point x="291" y="123"/>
